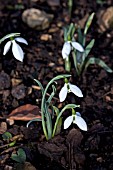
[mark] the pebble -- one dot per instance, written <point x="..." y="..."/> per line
<point x="37" y="19"/>
<point x="19" y="92"/>
<point x="4" y="80"/>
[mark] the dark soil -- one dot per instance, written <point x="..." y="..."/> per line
<point x="71" y="149"/>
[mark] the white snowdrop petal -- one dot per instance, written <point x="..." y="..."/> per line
<point x="7" y="47"/>
<point x="66" y="50"/>
<point x="17" y="51"/>
<point x="78" y="114"/>
<point x="63" y="93"/>
<point x="77" y="46"/>
<point x="80" y="123"/>
<point x="68" y="122"/>
<point x="74" y="89"/>
<point x="22" y="40"/>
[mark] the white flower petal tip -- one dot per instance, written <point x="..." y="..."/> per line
<point x="7" y="47"/>
<point x="78" y="114"/>
<point x="80" y="123"/>
<point x="17" y="51"/>
<point x="68" y="122"/>
<point x="74" y="89"/>
<point x="77" y="46"/>
<point x="63" y="93"/>
<point x="66" y="50"/>
<point x="22" y="40"/>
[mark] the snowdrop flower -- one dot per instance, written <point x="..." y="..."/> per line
<point x="68" y="46"/>
<point x="76" y="119"/>
<point x="68" y="87"/>
<point x="16" y="49"/>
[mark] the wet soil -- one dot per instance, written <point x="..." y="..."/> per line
<point x="71" y="149"/>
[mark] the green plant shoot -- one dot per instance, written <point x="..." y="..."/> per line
<point x="79" y="49"/>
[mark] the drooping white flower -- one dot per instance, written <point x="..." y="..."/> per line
<point x="68" y="87"/>
<point x="16" y="49"/>
<point x="67" y="47"/>
<point x="76" y="119"/>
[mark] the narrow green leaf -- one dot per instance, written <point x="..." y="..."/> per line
<point x="9" y="36"/>
<point x="49" y="124"/>
<point x="88" y="23"/>
<point x="33" y="120"/>
<point x="71" y="31"/>
<point x="56" y="110"/>
<point x="87" y="51"/>
<point x="52" y="94"/>
<point x="40" y="85"/>
<point x="12" y="143"/>
<point x="70" y="5"/>
<point x="99" y="62"/>
<point x="80" y="36"/>
<point x="75" y="62"/>
<point x="89" y="47"/>
<point x="59" y="125"/>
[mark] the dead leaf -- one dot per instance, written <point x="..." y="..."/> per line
<point x="25" y="113"/>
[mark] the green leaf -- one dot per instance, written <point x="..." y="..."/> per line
<point x="56" y="110"/>
<point x="70" y="32"/>
<point x="75" y="62"/>
<point x="87" y="50"/>
<point x="40" y="85"/>
<point x="88" y="23"/>
<point x="99" y="62"/>
<point x="52" y="94"/>
<point x="12" y="143"/>
<point x="7" y="136"/>
<point x="89" y="47"/>
<point x="20" y="156"/>
<point x="49" y="124"/>
<point x="58" y="128"/>
<point x="9" y="36"/>
<point x="80" y="36"/>
<point x="33" y="120"/>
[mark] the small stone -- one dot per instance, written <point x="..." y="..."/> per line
<point x="15" y="81"/>
<point x="105" y="19"/>
<point x="37" y="19"/>
<point x="7" y="167"/>
<point x="4" y="80"/>
<point x="45" y="37"/>
<point x="19" y="92"/>
<point x="51" y="64"/>
<point x="60" y="69"/>
<point x="53" y="2"/>
<point x="15" y="103"/>
<point x="99" y="159"/>
<point x="3" y="127"/>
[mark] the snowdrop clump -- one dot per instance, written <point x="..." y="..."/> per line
<point x="68" y="46"/>
<point x="67" y="88"/>
<point x="16" y="49"/>
<point x="76" y="119"/>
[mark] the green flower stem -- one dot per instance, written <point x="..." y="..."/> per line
<point x="67" y="65"/>
<point x="68" y="106"/>
<point x="47" y="124"/>
<point x="78" y="70"/>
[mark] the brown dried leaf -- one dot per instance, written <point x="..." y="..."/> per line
<point x="25" y="113"/>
